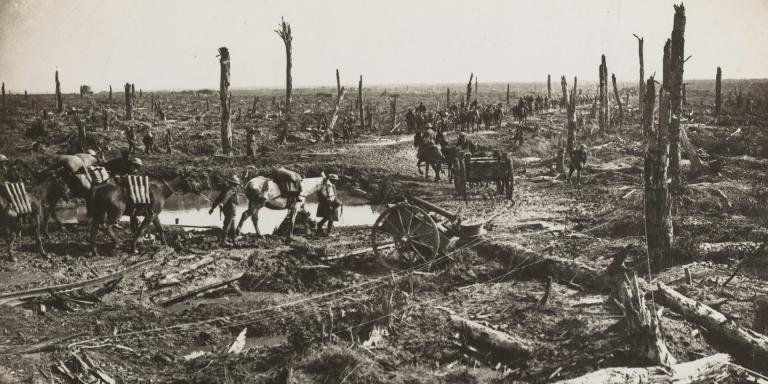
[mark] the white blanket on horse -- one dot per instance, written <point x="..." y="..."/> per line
<point x="15" y="199"/>
<point x="262" y="188"/>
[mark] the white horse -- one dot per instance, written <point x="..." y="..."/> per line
<point x="264" y="192"/>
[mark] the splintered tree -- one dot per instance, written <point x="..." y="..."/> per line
<point x="475" y="86"/>
<point x="617" y="97"/>
<point x="641" y="87"/>
<point x="3" y="98"/>
<point x="360" y="103"/>
<point x="571" y="123"/>
<point x="225" y="97"/>
<point x="675" y="84"/>
<point x="285" y="33"/>
<point x="128" y="103"/>
<point x="549" y="87"/>
<point x="59" y="101"/>
<point x="330" y="136"/>
<point x="718" y="94"/>
<point x="469" y="88"/>
<point x="507" y="94"/>
<point x="564" y="86"/>
<point x="603" y="116"/>
<point x="338" y="84"/>
<point x="448" y="97"/>
<point x="658" y="199"/>
<point x="110" y="92"/>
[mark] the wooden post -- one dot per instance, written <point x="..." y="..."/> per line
<point x="110" y="92"/>
<point x="226" y="98"/>
<point x="718" y="89"/>
<point x="128" y="103"/>
<point x="676" y="64"/>
<point x="81" y="135"/>
<point x="658" y="199"/>
<point x="59" y="100"/>
<point x="549" y="87"/>
<point x="641" y="87"/>
<point x="618" y="98"/>
<point x="469" y="88"/>
<point x="360" y="104"/>
<point x="338" y="84"/>
<point x="285" y="33"/>
<point x="329" y="132"/>
<point x="507" y="94"/>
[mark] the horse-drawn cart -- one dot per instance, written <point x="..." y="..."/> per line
<point x="415" y="231"/>
<point x="496" y="168"/>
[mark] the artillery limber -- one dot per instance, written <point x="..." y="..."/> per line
<point x="495" y="168"/>
<point x="415" y="231"/>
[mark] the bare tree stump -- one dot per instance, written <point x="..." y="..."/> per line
<point x="475" y="86"/>
<point x="329" y="132"/>
<point x="128" y="102"/>
<point x="718" y="94"/>
<point x="549" y="87"/>
<point x="110" y="93"/>
<point x="448" y="98"/>
<point x="603" y="111"/>
<point x="618" y="98"/>
<point x="338" y="84"/>
<point x="285" y="33"/>
<point x="106" y="119"/>
<point x="469" y="88"/>
<point x="360" y="104"/>
<point x="641" y="87"/>
<point x="507" y="94"/>
<point x="761" y="315"/>
<point x="59" y="100"/>
<point x="676" y="64"/>
<point x="225" y="97"/>
<point x="570" y="125"/>
<point x="564" y="86"/>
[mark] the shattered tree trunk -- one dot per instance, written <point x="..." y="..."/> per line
<point x="59" y="101"/>
<point x="285" y="33"/>
<point x="570" y="126"/>
<point x="469" y="88"/>
<point x="81" y="134"/>
<point x="697" y="166"/>
<point x="106" y="119"/>
<point x="641" y="87"/>
<point x="448" y="98"/>
<point x="329" y="133"/>
<point x="360" y="104"/>
<point x="603" y="117"/>
<point x="133" y="92"/>
<point x="564" y="86"/>
<point x="224" y="96"/>
<point x="643" y="324"/>
<point x="676" y="63"/>
<point x="718" y="94"/>
<point x="507" y="94"/>
<point x="110" y="93"/>
<point x="475" y="86"/>
<point x="549" y="87"/>
<point x="658" y="200"/>
<point x="3" y="106"/>
<point x="709" y="369"/>
<point x="393" y="104"/>
<point x="338" y="84"/>
<point x="744" y="343"/>
<point x="499" y="343"/>
<point x="128" y="103"/>
<point x="618" y="98"/>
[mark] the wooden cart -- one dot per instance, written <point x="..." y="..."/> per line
<point x="415" y="231"/>
<point x="496" y="168"/>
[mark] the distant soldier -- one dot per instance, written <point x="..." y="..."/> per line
<point x="149" y="141"/>
<point x="465" y="144"/>
<point x="328" y="205"/>
<point x="227" y="200"/>
<point x="410" y="119"/>
<point x="130" y="135"/>
<point x="168" y="140"/>
<point x="577" y="163"/>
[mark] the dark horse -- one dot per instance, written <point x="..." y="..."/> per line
<point x="428" y="153"/>
<point x="110" y="202"/>
<point x="11" y="222"/>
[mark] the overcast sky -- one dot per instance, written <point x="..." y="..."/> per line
<point x="173" y="43"/>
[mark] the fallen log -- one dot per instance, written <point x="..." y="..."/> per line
<point x="743" y="342"/>
<point x="709" y="369"/>
<point x="538" y="265"/>
<point x="173" y="278"/>
<point x="725" y="250"/>
<point x="197" y="291"/>
<point x="41" y="346"/>
<point x="19" y="297"/>
<point x="497" y="342"/>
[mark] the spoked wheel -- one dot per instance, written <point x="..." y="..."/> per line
<point x="406" y="235"/>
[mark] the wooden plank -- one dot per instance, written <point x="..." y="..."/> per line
<point x="196" y="291"/>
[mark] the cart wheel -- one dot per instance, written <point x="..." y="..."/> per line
<point x="405" y="233"/>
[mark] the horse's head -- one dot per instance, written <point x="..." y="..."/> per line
<point x="328" y="188"/>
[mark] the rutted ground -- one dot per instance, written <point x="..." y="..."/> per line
<point x="352" y="320"/>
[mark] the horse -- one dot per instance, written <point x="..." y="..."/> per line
<point x="55" y="190"/>
<point x="264" y="192"/>
<point x="498" y="116"/>
<point x="487" y="115"/>
<point x="520" y="112"/>
<point x="11" y="222"/>
<point x="429" y="153"/>
<point x="110" y="202"/>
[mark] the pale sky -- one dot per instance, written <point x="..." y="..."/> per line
<point x="173" y="43"/>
